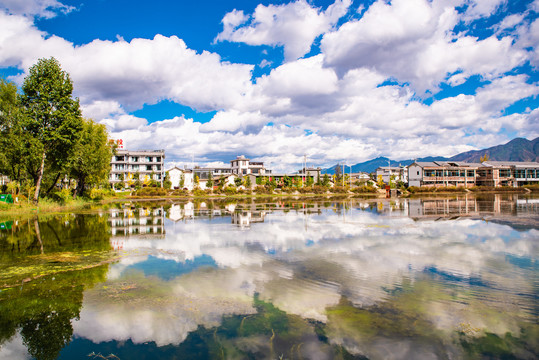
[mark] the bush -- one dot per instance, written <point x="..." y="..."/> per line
<point x="339" y="190"/>
<point x="97" y="194"/>
<point x="62" y="196"/>
<point x="179" y="192"/>
<point x="262" y="189"/>
<point x="199" y="192"/>
<point x="496" y="189"/>
<point x="230" y="190"/>
<point x="365" y="189"/>
<point x="150" y="191"/>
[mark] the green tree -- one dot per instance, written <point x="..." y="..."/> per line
<point x="325" y="180"/>
<point x="182" y="181"/>
<point x="287" y="181"/>
<point x="309" y="181"/>
<point x="89" y="162"/>
<point x="238" y="181"/>
<point x="19" y="150"/>
<point x="209" y="183"/>
<point x="248" y="182"/>
<point x="167" y="184"/>
<point x="338" y="173"/>
<point x="53" y="117"/>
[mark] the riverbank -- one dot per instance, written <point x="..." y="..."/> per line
<point x="47" y="206"/>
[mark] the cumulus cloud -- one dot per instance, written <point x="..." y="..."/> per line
<point x="294" y="25"/>
<point x="413" y="41"/>
<point x="131" y="73"/>
<point x="335" y="106"/>
<point x="39" y="8"/>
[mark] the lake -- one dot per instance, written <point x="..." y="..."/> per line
<point x="422" y="278"/>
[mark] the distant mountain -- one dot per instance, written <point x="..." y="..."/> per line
<point x="518" y="149"/>
<point x="371" y="165"/>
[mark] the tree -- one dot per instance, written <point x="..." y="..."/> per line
<point x="309" y="181"/>
<point x="209" y="183"/>
<point x="182" y="181"/>
<point x="19" y="150"/>
<point x="338" y="173"/>
<point x="287" y="181"/>
<point x="89" y="162"/>
<point x="484" y="158"/>
<point x="325" y="180"/>
<point x="238" y="181"/>
<point x="248" y="182"/>
<point x="167" y="184"/>
<point x="53" y="117"/>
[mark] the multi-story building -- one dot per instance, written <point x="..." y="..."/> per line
<point x="489" y="173"/>
<point x="386" y="172"/>
<point x="311" y="172"/>
<point x="148" y="164"/>
<point x="243" y="166"/>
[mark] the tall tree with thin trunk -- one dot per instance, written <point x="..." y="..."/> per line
<point x="53" y="116"/>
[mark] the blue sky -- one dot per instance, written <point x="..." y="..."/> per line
<point x="340" y="81"/>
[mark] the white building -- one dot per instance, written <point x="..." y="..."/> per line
<point x="386" y="172"/>
<point x="243" y="166"/>
<point x="125" y="165"/>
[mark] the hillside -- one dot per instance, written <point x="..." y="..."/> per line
<point x="518" y="149"/>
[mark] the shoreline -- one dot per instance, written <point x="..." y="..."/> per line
<point x="49" y="208"/>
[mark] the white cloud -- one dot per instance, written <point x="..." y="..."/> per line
<point x="412" y="41"/>
<point x="131" y="73"/>
<point x="482" y="8"/>
<point x="294" y="25"/>
<point x="40" y="8"/>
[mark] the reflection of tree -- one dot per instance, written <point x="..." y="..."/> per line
<point x="43" y="310"/>
<point x="56" y="234"/>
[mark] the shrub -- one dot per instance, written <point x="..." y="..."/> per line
<point x="199" y="192"/>
<point x="97" y="194"/>
<point x="149" y="191"/>
<point x="179" y="192"/>
<point x="365" y="189"/>
<point x="230" y="190"/>
<point x="62" y="196"/>
<point x="339" y="190"/>
<point x="533" y="188"/>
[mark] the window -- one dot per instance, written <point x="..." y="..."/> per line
<point x="119" y="158"/>
<point x="417" y="172"/>
<point x="158" y="159"/>
<point x="158" y="167"/>
<point x="148" y="159"/>
<point x="148" y="168"/>
<point x="134" y="158"/>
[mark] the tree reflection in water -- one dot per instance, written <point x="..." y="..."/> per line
<point x="52" y="252"/>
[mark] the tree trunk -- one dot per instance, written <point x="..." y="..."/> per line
<point x="54" y="183"/>
<point x="38" y="234"/>
<point x="39" y="178"/>
<point x="80" y="187"/>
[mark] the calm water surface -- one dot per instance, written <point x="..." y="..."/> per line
<point x="432" y="278"/>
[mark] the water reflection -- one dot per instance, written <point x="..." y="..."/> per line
<point x="319" y="279"/>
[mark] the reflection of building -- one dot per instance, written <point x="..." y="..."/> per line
<point x="467" y="205"/>
<point x="246" y="218"/>
<point x="125" y="164"/>
<point x="179" y="212"/>
<point x="137" y="221"/>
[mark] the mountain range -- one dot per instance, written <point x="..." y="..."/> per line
<point x="518" y="149"/>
